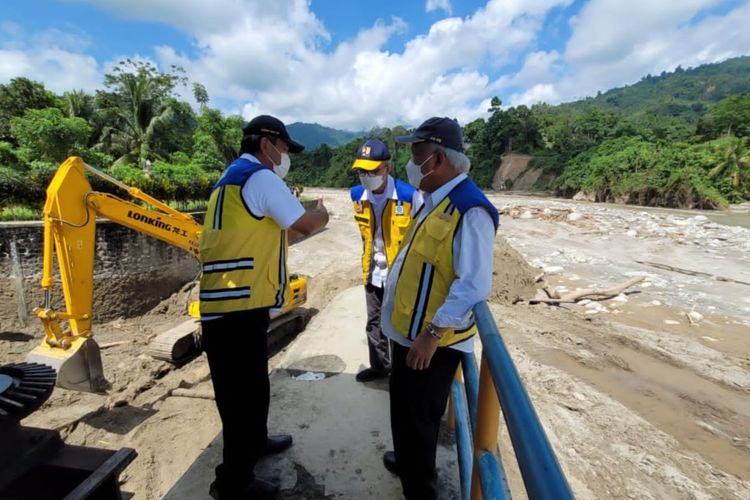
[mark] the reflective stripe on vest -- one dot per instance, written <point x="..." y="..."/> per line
<point x="427" y="271"/>
<point x="243" y="257"/>
<point x="394" y="223"/>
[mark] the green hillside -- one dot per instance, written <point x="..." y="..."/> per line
<point x="676" y="139"/>
<point x="313" y="135"/>
<point x="685" y="93"/>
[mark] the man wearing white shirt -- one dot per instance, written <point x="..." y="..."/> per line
<point x="382" y="210"/>
<point x="243" y="258"/>
<point x="444" y="267"/>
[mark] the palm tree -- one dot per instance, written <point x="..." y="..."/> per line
<point x="734" y="161"/>
<point x="141" y="101"/>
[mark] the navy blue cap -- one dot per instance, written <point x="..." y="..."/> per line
<point x="371" y="154"/>
<point x="273" y="127"/>
<point x="444" y="131"/>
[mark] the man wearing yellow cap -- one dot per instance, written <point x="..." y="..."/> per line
<point x="382" y="211"/>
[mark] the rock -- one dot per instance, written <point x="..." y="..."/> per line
<point x="632" y="233"/>
<point x="574" y="216"/>
<point x="582" y="196"/>
<point x="553" y="269"/>
<point x="671" y="322"/>
<point x="526" y="215"/>
<point x="620" y="298"/>
<point x="655" y="303"/>
<point x="695" y="316"/>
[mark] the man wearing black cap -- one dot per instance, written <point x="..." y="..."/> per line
<point x="444" y="267"/>
<point x="243" y="255"/>
<point x="382" y="211"/>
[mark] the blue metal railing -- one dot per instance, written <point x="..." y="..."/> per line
<point x="542" y="475"/>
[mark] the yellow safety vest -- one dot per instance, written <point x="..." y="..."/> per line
<point x="243" y="257"/>
<point x="427" y="271"/>
<point x="394" y="222"/>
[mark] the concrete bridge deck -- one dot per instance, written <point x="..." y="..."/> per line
<point x="341" y="428"/>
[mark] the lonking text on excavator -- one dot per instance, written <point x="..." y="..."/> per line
<point x="70" y="213"/>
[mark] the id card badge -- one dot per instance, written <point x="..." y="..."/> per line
<point x="399" y="208"/>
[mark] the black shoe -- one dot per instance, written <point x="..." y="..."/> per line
<point x="262" y="489"/>
<point x="389" y="460"/>
<point x="277" y="443"/>
<point x="259" y="489"/>
<point x="370" y="374"/>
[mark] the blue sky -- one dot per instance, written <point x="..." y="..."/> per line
<point x="358" y="64"/>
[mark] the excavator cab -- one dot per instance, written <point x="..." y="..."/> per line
<point x="70" y="213"/>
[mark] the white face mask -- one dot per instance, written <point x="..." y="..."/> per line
<point x="282" y="168"/>
<point x="414" y="172"/>
<point x="371" y="183"/>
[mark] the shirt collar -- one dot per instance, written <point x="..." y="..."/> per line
<point x="440" y="193"/>
<point x="250" y="157"/>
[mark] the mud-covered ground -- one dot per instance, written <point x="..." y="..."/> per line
<point x="638" y="399"/>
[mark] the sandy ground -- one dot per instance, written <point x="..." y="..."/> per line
<point x="636" y="402"/>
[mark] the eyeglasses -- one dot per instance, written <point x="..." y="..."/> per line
<point x="371" y="173"/>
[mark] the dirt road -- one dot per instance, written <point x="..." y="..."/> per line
<point x="636" y="401"/>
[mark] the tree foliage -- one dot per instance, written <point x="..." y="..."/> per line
<point x="675" y="139"/>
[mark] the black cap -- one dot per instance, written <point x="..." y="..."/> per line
<point x="273" y="127"/>
<point x="444" y="131"/>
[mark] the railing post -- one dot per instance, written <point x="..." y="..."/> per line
<point x="488" y="420"/>
<point x="451" y="403"/>
<point x="542" y="475"/>
<point x="471" y="378"/>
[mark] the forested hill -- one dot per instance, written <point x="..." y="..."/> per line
<point x="677" y="139"/>
<point x="313" y="135"/>
<point x="686" y="93"/>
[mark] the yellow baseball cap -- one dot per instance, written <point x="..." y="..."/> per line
<point x="371" y="154"/>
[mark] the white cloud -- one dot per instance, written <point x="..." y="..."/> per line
<point x="51" y="56"/>
<point x="444" y="5"/>
<point x="276" y="56"/>
<point x="615" y="43"/>
<point x="541" y="92"/>
<point x="282" y="65"/>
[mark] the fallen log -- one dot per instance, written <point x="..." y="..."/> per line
<point x="587" y="293"/>
<point x="690" y="272"/>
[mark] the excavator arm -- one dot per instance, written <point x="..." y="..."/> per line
<point x="70" y="214"/>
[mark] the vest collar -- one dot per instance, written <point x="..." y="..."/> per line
<point x="431" y="200"/>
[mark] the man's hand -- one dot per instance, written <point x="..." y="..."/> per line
<point x="421" y="351"/>
<point x="311" y="220"/>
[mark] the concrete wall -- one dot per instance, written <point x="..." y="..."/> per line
<point x="132" y="272"/>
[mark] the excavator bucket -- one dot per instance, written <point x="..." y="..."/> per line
<point x="78" y="367"/>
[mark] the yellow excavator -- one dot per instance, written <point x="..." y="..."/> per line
<point x="70" y="213"/>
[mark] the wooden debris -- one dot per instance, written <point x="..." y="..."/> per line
<point x="586" y="293"/>
<point x="113" y="344"/>
<point x="690" y="272"/>
<point x="193" y="393"/>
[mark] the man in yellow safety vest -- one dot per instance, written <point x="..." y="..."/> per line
<point x="382" y="210"/>
<point x="243" y="256"/>
<point x="443" y="268"/>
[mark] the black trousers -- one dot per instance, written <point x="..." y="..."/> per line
<point x="378" y="344"/>
<point x="235" y="345"/>
<point x="418" y="401"/>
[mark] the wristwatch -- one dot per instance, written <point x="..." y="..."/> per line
<point x="431" y="330"/>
